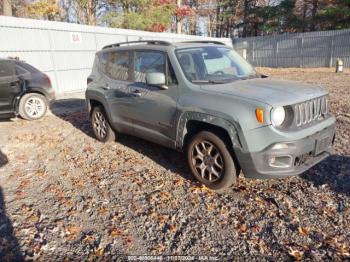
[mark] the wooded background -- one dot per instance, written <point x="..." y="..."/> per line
<point x="222" y="18"/>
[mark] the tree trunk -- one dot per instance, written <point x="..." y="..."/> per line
<point x="178" y="22"/>
<point x="313" y="14"/>
<point x="7" y="7"/>
<point x="218" y="21"/>
<point x="304" y="17"/>
<point x="245" y="18"/>
<point x="209" y="25"/>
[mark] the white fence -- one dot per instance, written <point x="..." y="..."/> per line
<point x="66" y="51"/>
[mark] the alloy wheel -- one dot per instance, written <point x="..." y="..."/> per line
<point x="207" y="161"/>
<point x="35" y="107"/>
<point x="100" y="124"/>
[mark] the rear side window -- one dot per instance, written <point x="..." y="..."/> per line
<point x="7" y="68"/>
<point x="115" y="64"/>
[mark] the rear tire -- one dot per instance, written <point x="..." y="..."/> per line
<point x="210" y="161"/>
<point x="32" y="106"/>
<point x="100" y="125"/>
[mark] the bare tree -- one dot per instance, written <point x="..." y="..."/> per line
<point x="7" y="7"/>
<point x="178" y="21"/>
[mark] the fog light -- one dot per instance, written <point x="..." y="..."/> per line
<point x="280" y="146"/>
<point x="281" y="161"/>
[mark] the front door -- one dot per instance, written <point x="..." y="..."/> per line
<point x="10" y="87"/>
<point x="153" y="110"/>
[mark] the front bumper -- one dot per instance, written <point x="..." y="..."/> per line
<point x="290" y="158"/>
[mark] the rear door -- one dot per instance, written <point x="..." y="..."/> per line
<point x="10" y="87"/>
<point x="116" y="69"/>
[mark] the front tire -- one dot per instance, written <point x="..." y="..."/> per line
<point x="100" y="125"/>
<point x="211" y="162"/>
<point x="32" y="106"/>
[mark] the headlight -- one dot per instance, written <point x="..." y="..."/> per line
<point x="278" y="115"/>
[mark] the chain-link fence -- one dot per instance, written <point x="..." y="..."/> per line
<point x="312" y="49"/>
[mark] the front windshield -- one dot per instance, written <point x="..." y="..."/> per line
<point x="213" y="64"/>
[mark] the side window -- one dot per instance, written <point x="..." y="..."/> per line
<point x="7" y="69"/>
<point x="115" y="64"/>
<point x="148" y="62"/>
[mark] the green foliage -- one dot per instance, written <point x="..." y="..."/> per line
<point x="44" y="9"/>
<point x="336" y="15"/>
<point x="145" y="16"/>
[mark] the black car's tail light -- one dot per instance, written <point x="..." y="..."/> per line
<point x="47" y="78"/>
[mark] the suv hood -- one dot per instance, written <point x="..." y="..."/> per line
<point x="268" y="91"/>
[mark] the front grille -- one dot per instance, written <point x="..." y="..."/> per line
<point x="311" y="110"/>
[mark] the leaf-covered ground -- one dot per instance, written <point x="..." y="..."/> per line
<point x="65" y="195"/>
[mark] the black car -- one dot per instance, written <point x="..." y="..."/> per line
<point x="24" y="90"/>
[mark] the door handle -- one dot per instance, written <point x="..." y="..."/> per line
<point x="106" y="87"/>
<point x="136" y="93"/>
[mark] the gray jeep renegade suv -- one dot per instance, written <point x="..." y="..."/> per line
<point x="204" y="99"/>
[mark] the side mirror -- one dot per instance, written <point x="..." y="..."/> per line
<point x="156" y="79"/>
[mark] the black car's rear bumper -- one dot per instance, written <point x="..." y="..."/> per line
<point x="289" y="158"/>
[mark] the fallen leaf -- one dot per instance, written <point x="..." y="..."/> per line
<point x="242" y="228"/>
<point x="72" y="232"/>
<point x="99" y="252"/>
<point x="343" y="251"/>
<point x="172" y="228"/>
<point x="296" y="254"/>
<point x="303" y="231"/>
<point x="103" y="210"/>
<point x="115" y="232"/>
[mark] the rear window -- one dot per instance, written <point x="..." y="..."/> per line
<point x="28" y="67"/>
<point x="21" y="71"/>
<point x="115" y="64"/>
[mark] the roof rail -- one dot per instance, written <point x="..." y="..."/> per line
<point x="148" y="42"/>
<point x="205" y="42"/>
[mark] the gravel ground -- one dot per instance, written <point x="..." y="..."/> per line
<point x="65" y="195"/>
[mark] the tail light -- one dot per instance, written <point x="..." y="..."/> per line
<point x="47" y="78"/>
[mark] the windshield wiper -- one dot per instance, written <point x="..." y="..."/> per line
<point x="208" y="81"/>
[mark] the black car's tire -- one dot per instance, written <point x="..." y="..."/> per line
<point x="211" y="162"/>
<point x="32" y="106"/>
<point x="100" y="125"/>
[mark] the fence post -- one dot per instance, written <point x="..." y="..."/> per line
<point x="95" y="39"/>
<point x="331" y="52"/>
<point x="52" y="57"/>
<point x="253" y="53"/>
<point x="276" y="53"/>
<point x="301" y="51"/>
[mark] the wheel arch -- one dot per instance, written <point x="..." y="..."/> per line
<point x="93" y="102"/>
<point x="191" y="123"/>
